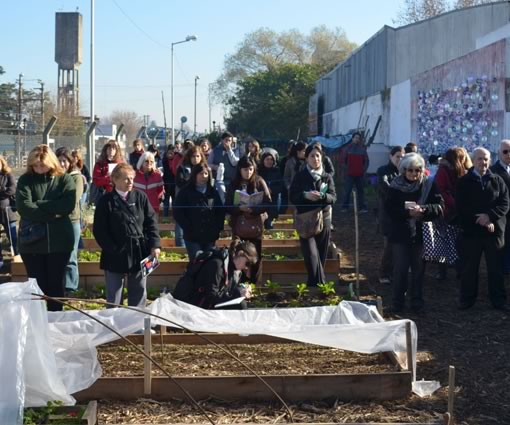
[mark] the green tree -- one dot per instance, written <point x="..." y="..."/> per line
<point x="266" y="50"/>
<point x="273" y="103"/>
<point x="8" y="105"/>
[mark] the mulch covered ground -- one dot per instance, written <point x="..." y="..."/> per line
<point x="476" y="342"/>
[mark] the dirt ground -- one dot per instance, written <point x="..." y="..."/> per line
<point x="476" y="342"/>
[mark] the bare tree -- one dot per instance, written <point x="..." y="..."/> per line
<point x="417" y="10"/>
<point x="131" y="120"/>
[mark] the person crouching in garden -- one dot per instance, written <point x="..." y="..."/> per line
<point x="125" y="228"/>
<point x="219" y="277"/>
<point x="45" y="196"/>
<point x="313" y="192"/>
<point x="411" y="200"/>
<point x="199" y="211"/>
<point x="149" y="180"/>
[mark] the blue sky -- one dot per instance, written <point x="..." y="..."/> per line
<point x="133" y="67"/>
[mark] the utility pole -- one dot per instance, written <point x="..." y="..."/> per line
<point x="164" y="117"/>
<point x="195" y="108"/>
<point x="210" y="84"/>
<point x="18" y="139"/>
<point x="42" y="102"/>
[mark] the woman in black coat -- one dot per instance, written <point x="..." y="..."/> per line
<point x="411" y="200"/>
<point x="247" y="180"/>
<point x="199" y="211"/>
<point x="125" y="228"/>
<point x="7" y="201"/>
<point x="313" y="188"/>
<point x="271" y="174"/>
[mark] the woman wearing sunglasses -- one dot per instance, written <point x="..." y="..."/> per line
<point x="412" y="199"/>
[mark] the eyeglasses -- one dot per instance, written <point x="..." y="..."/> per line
<point x="505" y="151"/>
<point x="413" y="170"/>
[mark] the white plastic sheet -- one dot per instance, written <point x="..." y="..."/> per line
<point x="49" y="356"/>
<point x="29" y="371"/>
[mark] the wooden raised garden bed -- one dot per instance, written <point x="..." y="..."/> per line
<point x="384" y="383"/>
<point x="168" y="273"/>
<point x="68" y="415"/>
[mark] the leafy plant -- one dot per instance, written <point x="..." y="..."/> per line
<point x="167" y="234"/>
<point x="35" y="416"/>
<point x="272" y="286"/>
<point x="89" y="256"/>
<point x="327" y="288"/>
<point x="87" y="233"/>
<point x="334" y="300"/>
<point x="301" y="290"/>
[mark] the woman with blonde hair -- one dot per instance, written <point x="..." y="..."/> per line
<point x="111" y="155"/>
<point x="126" y="229"/>
<point x="7" y="193"/>
<point x="45" y="196"/>
<point x="253" y="150"/>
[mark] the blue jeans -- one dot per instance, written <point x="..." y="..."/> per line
<point x="194" y="247"/>
<point x="359" y="183"/>
<point x="179" y="239"/>
<point x="72" y="275"/>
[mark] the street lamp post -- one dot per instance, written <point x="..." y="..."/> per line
<point x="195" y="108"/>
<point x="172" y="134"/>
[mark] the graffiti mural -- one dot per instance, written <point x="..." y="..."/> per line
<point x="465" y="115"/>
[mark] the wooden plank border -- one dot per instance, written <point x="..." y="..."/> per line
<point x="373" y="386"/>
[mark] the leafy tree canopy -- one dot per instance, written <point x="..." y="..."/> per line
<point x="266" y="50"/>
<point x="273" y="103"/>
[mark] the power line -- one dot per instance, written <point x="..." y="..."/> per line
<point x="138" y="27"/>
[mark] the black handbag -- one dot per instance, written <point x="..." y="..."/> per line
<point x="30" y="232"/>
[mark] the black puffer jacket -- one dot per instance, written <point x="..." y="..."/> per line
<point x="488" y="195"/>
<point x="7" y="193"/>
<point x="125" y="238"/>
<point x="201" y="215"/>
<point x="403" y="228"/>
<point x="385" y="176"/>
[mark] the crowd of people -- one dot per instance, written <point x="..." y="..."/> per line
<point x="448" y="212"/>
<point x="450" y="216"/>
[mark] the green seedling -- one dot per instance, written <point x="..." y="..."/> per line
<point x="327" y="288"/>
<point x="301" y="290"/>
<point x="272" y="286"/>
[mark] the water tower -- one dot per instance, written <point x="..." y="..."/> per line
<point x="68" y="55"/>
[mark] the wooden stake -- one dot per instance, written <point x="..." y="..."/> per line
<point x="356" y="231"/>
<point x="451" y="390"/>
<point x="147" y="365"/>
<point x="409" y="347"/>
<point x="379" y="305"/>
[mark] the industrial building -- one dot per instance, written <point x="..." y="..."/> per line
<point x="440" y="82"/>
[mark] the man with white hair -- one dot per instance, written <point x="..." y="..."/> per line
<point x="483" y="203"/>
<point x="502" y="169"/>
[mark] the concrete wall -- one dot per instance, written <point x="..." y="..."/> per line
<point x="392" y="55"/>
<point x="400" y="115"/>
<point x="427" y="44"/>
<point x="68" y="39"/>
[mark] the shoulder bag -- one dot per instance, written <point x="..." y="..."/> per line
<point x="310" y="223"/>
<point x="31" y="232"/>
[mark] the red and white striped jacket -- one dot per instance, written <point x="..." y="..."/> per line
<point x="152" y="185"/>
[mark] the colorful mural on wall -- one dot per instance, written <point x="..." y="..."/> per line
<point x="461" y="103"/>
<point x="465" y="115"/>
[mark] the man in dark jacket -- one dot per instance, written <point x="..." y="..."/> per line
<point x="482" y="202"/>
<point x="502" y="169"/>
<point x="356" y="165"/>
